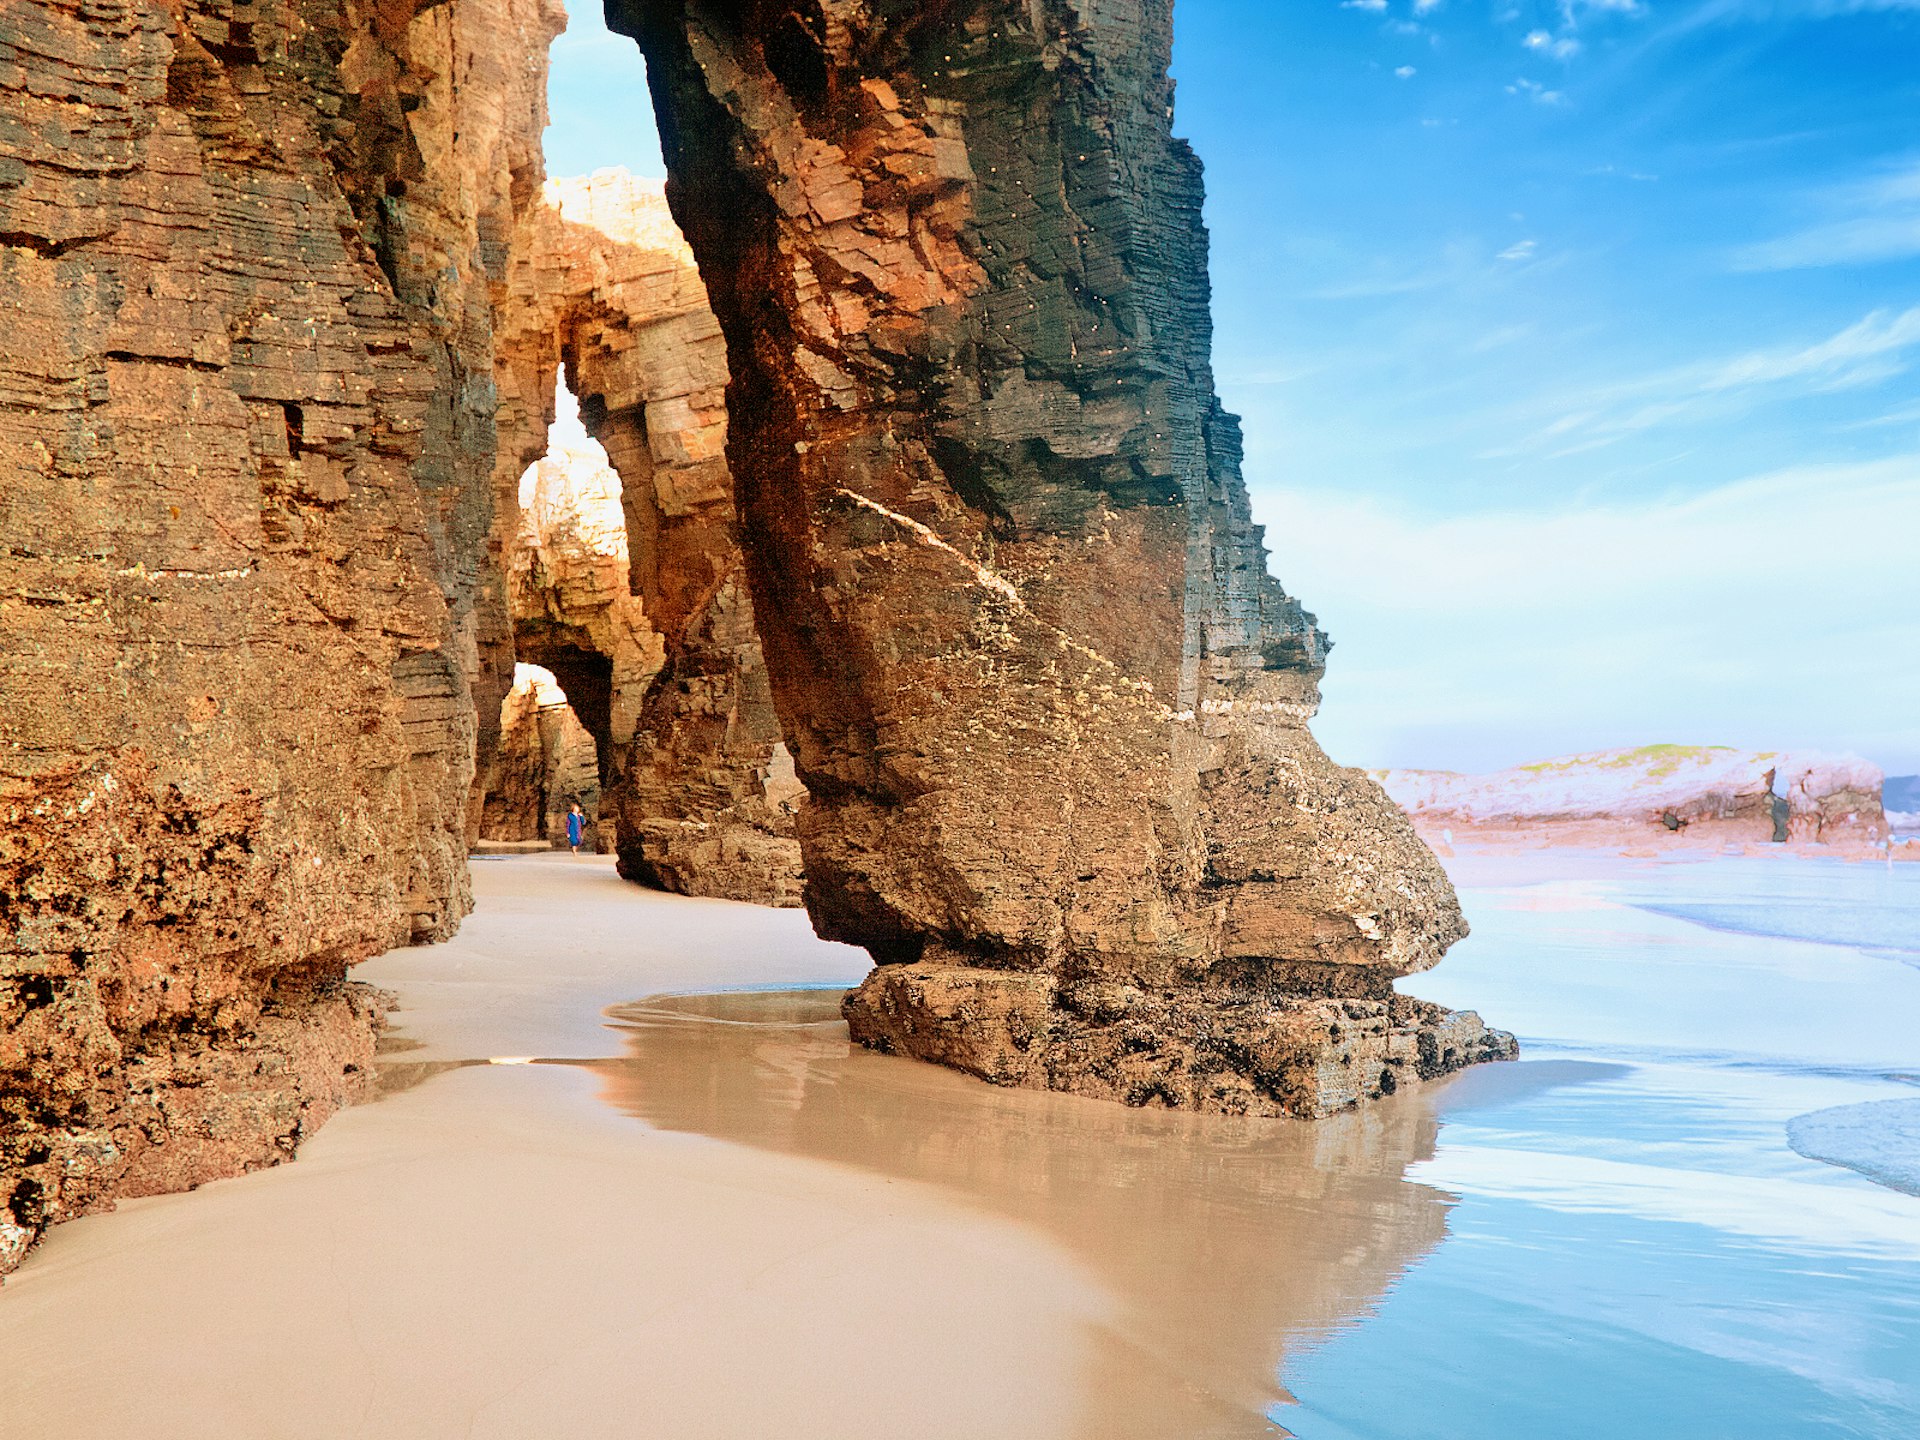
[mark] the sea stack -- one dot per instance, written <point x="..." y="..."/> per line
<point x="1049" y="706"/>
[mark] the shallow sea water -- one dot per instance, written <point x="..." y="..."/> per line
<point x="1647" y="1255"/>
<point x="1611" y="1237"/>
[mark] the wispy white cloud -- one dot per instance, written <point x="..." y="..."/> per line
<point x="1542" y="42"/>
<point x="1833" y="360"/>
<point x="1639" y="176"/>
<point x="1872" y="349"/>
<point x="1522" y="250"/>
<point x="1405" y="72"/>
<point x="1363" y="4"/>
<point x="1774" y="611"/>
<point x="1743" y="12"/>
<point x="1866" y="221"/>
<point x="1536" y="92"/>
<point x="1564" y="43"/>
<point x="1499" y="339"/>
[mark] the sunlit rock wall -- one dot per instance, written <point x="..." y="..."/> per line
<point x="698" y="780"/>
<point x="1049" y="707"/>
<point x="246" y="390"/>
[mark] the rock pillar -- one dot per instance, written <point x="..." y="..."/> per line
<point x="1049" y="707"/>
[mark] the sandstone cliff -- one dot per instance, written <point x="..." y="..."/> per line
<point x="656" y="647"/>
<point x="245" y="458"/>
<point x="1049" y="707"/>
<point x="1685" y="791"/>
<point x="280" y="331"/>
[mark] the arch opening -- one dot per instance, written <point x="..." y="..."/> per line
<point x="548" y="762"/>
<point x="626" y="576"/>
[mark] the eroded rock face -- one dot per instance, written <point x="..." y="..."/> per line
<point x="698" y="781"/>
<point x="1048" y="705"/>
<point x="245" y="457"/>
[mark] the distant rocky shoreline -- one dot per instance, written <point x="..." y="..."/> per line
<point x="1660" y="795"/>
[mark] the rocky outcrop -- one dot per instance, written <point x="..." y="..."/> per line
<point x="245" y="458"/>
<point x="698" y="782"/>
<point x="1049" y="708"/>
<point x="546" y="762"/>
<point x="1655" y="792"/>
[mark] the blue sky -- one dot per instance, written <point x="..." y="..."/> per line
<point x="1574" y="343"/>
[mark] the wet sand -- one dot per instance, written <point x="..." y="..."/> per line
<point x="1223" y="1241"/>
<point x="861" y="1246"/>
<point x="494" y="1252"/>
<point x="583" y="1212"/>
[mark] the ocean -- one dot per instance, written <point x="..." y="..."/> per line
<point x="1642" y="1250"/>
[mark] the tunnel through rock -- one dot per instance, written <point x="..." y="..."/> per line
<point x="626" y="572"/>
<point x="547" y="761"/>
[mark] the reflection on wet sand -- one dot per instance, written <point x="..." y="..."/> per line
<point x="1227" y="1241"/>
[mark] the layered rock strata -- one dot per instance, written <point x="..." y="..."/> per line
<point x="545" y="763"/>
<point x="1048" y="705"/>
<point x="1683" y="792"/>
<point x="245" y="460"/>
<point x="659" y="642"/>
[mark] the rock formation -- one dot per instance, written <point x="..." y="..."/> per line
<point x="1687" y="792"/>
<point x="699" y="783"/>
<point x="1048" y="705"/>
<point x="271" y="298"/>
<point x="567" y="592"/>
<point x="545" y="762"/>
<point x="247" y="618"/>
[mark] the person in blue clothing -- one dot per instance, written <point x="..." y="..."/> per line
<point x="576" y="826"/>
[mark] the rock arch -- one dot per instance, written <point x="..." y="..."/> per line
<point x="698" y="779"/>
<point x="1048" y="704"/>
<point x="257" y="448"/>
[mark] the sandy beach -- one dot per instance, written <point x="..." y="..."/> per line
<point x="498" y="1253"/>
<point x="600" y="1197"/>
<point x="498" y="1247"/>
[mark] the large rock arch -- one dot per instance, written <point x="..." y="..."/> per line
<point x="698" y="779"/>
<point x="254" y="635"/>
<point x="1048" y="704"/>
